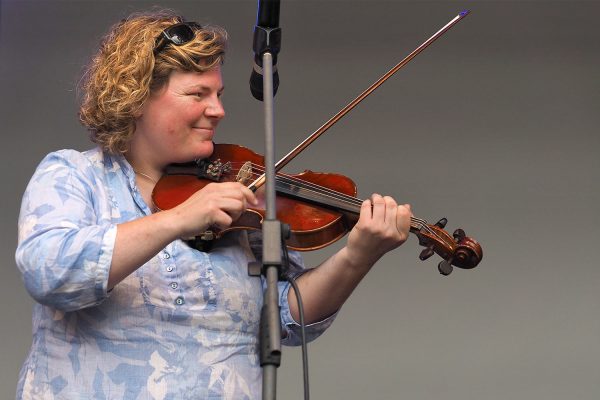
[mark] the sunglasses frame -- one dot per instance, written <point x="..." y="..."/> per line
<point x="178" y="34"/>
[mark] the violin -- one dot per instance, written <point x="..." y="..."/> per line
<point x="319" y="208"/>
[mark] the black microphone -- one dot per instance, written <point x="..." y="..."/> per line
<point x="267" y="38"/>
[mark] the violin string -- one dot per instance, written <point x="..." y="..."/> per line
<point x="329" y="193"/>
<point x="420" y="223"/>
<point x="324" y="191"/>
<point x="315" y="187"/>
<point x="304" y="184"/>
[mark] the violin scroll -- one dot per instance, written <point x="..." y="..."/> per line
<point x="458" y="250"/>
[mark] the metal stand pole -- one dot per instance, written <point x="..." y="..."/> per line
<point x="270" y="320"/>
<point x="266" y="45"/>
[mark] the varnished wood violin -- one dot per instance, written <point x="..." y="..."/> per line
<point x="319" y="208"/>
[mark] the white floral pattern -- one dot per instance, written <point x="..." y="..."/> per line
<point x="183" y="326"/>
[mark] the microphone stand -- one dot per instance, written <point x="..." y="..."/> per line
<point x="267" y="42"/>
<point x="270" y="326"/>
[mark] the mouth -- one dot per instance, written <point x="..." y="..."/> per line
<point x="206" y="131"/>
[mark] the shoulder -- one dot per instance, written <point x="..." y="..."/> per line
<point x="68" y="169"/>
<point x="67" y="180"/>
<point x="90" y="164"/>
<point x="71" y="159"/>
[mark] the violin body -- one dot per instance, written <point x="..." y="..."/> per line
<point x="312" y="226"/>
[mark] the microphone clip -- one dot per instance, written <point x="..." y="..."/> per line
<point x="266" y="40"/>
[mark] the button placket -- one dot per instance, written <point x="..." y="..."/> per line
<point x="166" y="256"/>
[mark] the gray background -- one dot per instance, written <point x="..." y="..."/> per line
<point x="493" y="127"/>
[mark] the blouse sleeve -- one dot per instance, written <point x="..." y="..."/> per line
<point x="65" y="242"/>
<point x="290" y="329"/>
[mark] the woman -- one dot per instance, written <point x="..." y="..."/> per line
<point x="125" y="309"/>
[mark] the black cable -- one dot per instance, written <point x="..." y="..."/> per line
<point x="292" y="282"/>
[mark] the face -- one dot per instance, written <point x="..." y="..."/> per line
<point x="178" y="122"/>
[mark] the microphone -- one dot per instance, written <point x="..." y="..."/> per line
<point x="267" y="38"/>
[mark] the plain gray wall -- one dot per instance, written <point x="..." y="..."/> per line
<point x="494" y="127"/>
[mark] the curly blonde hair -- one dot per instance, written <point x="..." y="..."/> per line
<point x="125" y="71"/>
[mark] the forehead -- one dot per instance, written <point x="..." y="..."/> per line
<point x="210" y="79"/>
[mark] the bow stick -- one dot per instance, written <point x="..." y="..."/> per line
<point x="308" y="141"/>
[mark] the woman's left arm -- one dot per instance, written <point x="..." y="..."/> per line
<point x="382" y="226"/>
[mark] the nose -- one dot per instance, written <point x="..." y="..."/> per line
<point x="215" y="109"/>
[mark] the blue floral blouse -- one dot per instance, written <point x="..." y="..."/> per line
<point x="183" y="326"/>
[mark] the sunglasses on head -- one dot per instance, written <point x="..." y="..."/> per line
<point x="177" y="34"/>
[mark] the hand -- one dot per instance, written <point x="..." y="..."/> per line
<point x="383" y="225"/>
<point x="217" y="204"/>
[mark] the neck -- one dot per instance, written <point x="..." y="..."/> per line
<point x="143" y="167"/>
<point x="148" y="177"/>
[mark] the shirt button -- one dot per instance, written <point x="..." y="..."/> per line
<point x="179" y="301"/>
<point x="170" y="268"/>
<point x="174" y="285"/>
<point x="166" y="255"/>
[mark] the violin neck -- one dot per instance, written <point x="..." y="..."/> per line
<point x="328" y="198"/>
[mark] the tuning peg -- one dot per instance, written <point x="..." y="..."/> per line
<point x="445" y="268"/>
<point x="441" y="223"/>
<point x="426" y="253"/>
<point x="459" y="235"/>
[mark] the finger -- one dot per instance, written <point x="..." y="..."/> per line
<point x="366" y="210"/>
<point x="241" y="192"/>
<point x="391" y="208"/>
<point x="232" y="205"/>
<point x="232" y="190"/>
<point x="249" y="196"/>
<point x="403" y="219"/>
<point x="223" y="220"/>
<point x="378" y="207"/>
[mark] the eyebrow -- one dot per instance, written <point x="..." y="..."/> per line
<point x="204" y="87"/>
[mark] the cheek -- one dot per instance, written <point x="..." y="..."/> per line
<point x="175" y="124"/>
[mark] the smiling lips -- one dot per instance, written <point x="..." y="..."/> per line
<point x="210" y="131"/>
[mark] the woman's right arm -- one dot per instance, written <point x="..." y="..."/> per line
<point x="217" y="204"/>
<point x="70" y="257"/>
<point x="66" y="236"/>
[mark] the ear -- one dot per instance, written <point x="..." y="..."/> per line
<point x="138" y="113"/>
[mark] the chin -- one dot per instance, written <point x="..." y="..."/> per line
<point x="193" y="153"/>
<point x="203" y="150"/>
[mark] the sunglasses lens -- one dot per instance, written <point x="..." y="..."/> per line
<point x="180" y="34"/>
<point x="177" y="34"/>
